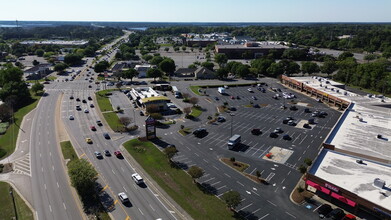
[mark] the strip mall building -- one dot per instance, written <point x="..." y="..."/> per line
<point x="353" y="170"/>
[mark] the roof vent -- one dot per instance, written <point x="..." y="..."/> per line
<point x="379" y="183"/>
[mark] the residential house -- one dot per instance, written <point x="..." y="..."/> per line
<point x="204" y="73"/>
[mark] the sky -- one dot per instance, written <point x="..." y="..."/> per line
<point x="197" y="11"/>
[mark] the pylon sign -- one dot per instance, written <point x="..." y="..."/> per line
<point x="150" y="128"/>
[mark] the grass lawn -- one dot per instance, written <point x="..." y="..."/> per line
<point x="195" y="112"/>
<point x="237" y="165"/>
<point x="113" y="121"/>
<point x="177" y="183"/>
<point x="8" y="140"/>
<point x="104" y="101"/>
<point x="67" y="150"/>
<point x="185" y="131"/>
<point x="165" y="45"/>
<point x="7" y="210"/>
<point x="195" y="89"/>
<point x="101" y="78"/>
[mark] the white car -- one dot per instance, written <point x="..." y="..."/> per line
<point x="71" y="117"/>
<point x="86" y="111"/>
<point x="137" y="178"/>
<point x="123" y="197"/>
<point x="249" y="89"/>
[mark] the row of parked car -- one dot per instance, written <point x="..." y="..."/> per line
<point x="326" y="211"/>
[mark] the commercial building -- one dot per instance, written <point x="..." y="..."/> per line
<point x="56" y="42"/>
<point x="199" y="42"/>
<point x="37" y="72"/>
<point x="250" y="50"/>
<point x="146" y="96"/>
<point x="142" y="69"/>
<point x="353" y="170"/>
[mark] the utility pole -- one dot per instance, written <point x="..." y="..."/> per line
<point x="232" y="118"/>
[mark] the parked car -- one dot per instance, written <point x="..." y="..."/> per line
<point x="107" y="153"/>
<point x="273" y="135"/>
<point x="256" y="131"/>
<point x="217" y="98"/>
<point x="71" y="117"/>
<point x="293" y="108"/>
<point x="278" y="130"/>
<point x="86" y="111"/>
<point x="306" y="125"/>
<point x="78" y="108"/>
<point x="221" y="119"/>
<point x="337" y="214"/>
<point x="77" y="100"/>
<point x="71" y="97"/>
<point x="89" y="98"/>
<point x="92" y="105"/>
<point x="307" y="110"/>
<point x="199" y="132"/>
<point x="291" y="123"/>
<point x="254" y="98"/>
<point x="324" y="210"/>
<point x="286" y="137"/>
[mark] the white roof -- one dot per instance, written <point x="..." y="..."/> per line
<point x="354" y="135"/>
<point x="343" y="171"/>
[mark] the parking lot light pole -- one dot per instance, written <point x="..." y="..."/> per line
<point x="232" y="118"/>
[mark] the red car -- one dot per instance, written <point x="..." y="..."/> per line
<point x="232" y="97"/>
<point x="118" y="153"/>
<point x="92" y="128"/>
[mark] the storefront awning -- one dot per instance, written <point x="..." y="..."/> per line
<point x="343" y="199"/>
<point x="318" y="187"/>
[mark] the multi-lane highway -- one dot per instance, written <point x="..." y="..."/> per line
<point x="114" y="173"/>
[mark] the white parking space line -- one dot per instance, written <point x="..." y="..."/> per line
<point x="208" y="180"/>
<point x="271" y="203"/>
<point x="245" y="207"/>
<point x="251" y="148"/>
<point x="215" y="183"/>
<point x="264" y="216"/>
<point x="258" y="150"/>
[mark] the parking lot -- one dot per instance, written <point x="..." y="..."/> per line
<point x="280" y="170"/>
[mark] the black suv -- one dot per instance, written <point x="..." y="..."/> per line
<point x="324" y="210"/>
<point x="199" y="132"/>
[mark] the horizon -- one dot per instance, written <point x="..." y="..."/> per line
<point x="229" y="11"/>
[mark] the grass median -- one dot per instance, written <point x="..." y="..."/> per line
<point x="104" y="101"/>
<point x="177" y="183"/>
<point x="7" y="208"/>
<point x="67" y="150"/>
<point x="196" y="112"/>
<point x="113" y="121"/>
<point x="8" y="140"/>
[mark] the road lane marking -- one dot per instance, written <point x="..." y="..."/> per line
<point x="216" y="167"/>
<point x="124" y="189"/>
<point x="152" y="207"/>
<point x="240" y="183"/>
<point x="113" y="171"/>
<point x="50" y="208"/>
<point x="82" y="155"/>
<point x="140" y="211"/>
<point x="104" y="188"/>
<point x="58" y="186"/>
<point x="227" y="175"/>
<point x="271" y="203"/>
<point x="264" y="216"/>
<point x="290" y="214"/>
<point x="245" y="207"/>
<point x="115" y="202"/>
<point x="64" y="206"/>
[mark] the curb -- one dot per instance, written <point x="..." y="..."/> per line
<point x="182" y="214"/>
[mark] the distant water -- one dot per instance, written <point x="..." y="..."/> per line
<point x="7" y="26"/>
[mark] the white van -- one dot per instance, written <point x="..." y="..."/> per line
<point x="233" y="141"/>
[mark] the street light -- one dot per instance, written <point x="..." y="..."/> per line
<point x="232" y="118"/>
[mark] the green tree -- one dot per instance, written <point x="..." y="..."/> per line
<point x="328" y="67"/>
<point x="309" y="67"/>
<point x="156" y="60"/>
<point x="35" y="62"/>
<point x="37" y="87"/>
<point x="83" y="177"/>
<point x="166" y="49"/>
<point x="345" y="55"/>
<point x="5" y="113"/>
<point x="275" y="69"/>
<point x="195" y="172"/>
<point x="222" y="73"/>
<point x="154" y="73"/>
<point x="242" y="71"/>
<point x="170" y="152"/>
<point x="40" y="52"/>
<point x="261" y="65"/>
<point x="60" y="67"/>
<point x="232" y="199"/>
<point x="129" y="74"/>
<point x="147" y="57"/>
<point x="221" y="59"/>
<point x="208" y="65"/>
<point x="101" y="66"/>
<point x="292" y="68"/>
<point x="73" y="59"/>
<point x="168" y="66"/>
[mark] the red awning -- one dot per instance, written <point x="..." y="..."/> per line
<point x="318" y="187"/>
<point x="343" y="199"/>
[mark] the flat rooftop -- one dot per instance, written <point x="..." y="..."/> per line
<point x="56" y="42"/>
<point x="368" y="117"/>
<point x="260" y="46"/>
<point x="344" y="172"/>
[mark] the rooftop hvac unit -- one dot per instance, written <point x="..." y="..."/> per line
<point x="379" y="183"/>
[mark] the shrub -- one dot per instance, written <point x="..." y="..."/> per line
<point x="232" y="159"/>
<point x="182" y="126"/>
<point x="156" y="116"/>
<point x="308" y="161"/>
<point x="302" y="169"/>
<point x="300" y="189"/>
